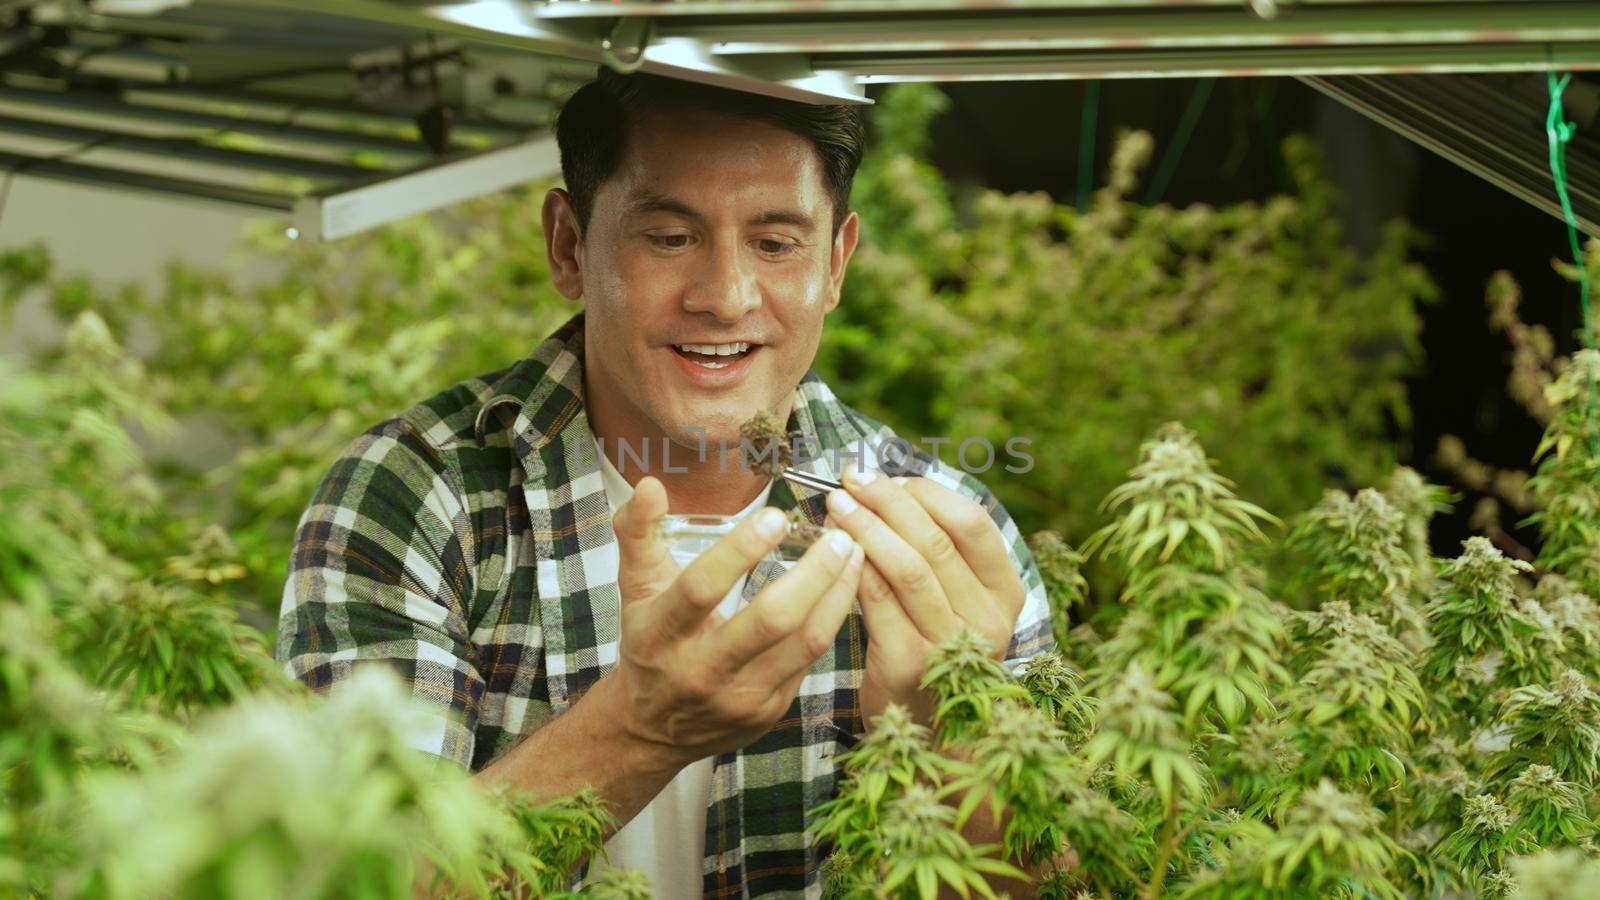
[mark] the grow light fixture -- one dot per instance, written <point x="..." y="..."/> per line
<point x="1383" y="58"/>
<point x="471" y="60"/>
<point x="337" y="181"/>
<point x="972" y="40"/>
<point x="353" y="208"/>
<point x="343" y="124"/>
<point x="1492" y="126"/>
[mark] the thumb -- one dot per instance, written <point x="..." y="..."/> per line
<point x="645" y="566"/>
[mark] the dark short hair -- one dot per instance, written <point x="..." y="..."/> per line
<point x="594" y="125"/>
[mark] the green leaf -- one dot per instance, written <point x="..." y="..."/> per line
<point x="1161" y="774"/>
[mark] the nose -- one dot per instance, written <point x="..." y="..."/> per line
<point x="725" y="287"/>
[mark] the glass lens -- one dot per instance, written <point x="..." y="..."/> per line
<point x="688" y="536"/>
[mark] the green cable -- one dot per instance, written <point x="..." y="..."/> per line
<point x="1180" y="139"/>
<point x="1086" y="135"/>
<point x="1261" y="99"/>
<point x="1560" y="131"/>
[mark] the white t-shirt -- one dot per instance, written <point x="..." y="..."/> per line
<point x="667" y="839"/>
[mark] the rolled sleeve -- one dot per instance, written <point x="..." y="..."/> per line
<point x="379" y="574"/>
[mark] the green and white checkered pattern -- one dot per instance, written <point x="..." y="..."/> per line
<point x="468" y="544"/>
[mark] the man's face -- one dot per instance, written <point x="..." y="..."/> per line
<point x="712" y="232"/>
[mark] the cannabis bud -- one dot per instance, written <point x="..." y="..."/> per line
<point x="1485" y="813"/>
<point x="802" y="529"/>
<point x="768" y="442"/>
<point x="768" y="450"/>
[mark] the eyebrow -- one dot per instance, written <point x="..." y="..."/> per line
<point x="653" y="202"/>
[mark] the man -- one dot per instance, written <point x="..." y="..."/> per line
<point x="497" y="545"/>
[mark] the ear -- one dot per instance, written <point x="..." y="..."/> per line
<point x="563" y="243"/>
<point x="844" y="246"/>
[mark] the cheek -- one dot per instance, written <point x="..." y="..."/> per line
<point x="635" y="267"/>
<point x="802" y="294"/>
<point x="632" y="286"/>
<point x="605" y="276"/>
<point x="800" y="302"/>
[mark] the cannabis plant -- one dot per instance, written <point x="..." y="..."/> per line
<point x="1377" y="724"/>
<point x="1250" y="321"/>
<point x="1567" y="483"/>
<point x="148" y="744"/>
<point x="1235" y="709"/>
<point x="1085" y="329"/>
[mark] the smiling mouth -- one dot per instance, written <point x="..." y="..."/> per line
<point x="715" y="356"/>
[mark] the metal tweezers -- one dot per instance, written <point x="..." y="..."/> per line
<point x="806" y="479"/>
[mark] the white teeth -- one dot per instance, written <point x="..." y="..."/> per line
<point x="714" y="349"/>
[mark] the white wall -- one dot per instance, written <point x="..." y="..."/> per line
<point x="110" y="234"/>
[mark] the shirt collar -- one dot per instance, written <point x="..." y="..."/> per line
<point x="537" y="398"/>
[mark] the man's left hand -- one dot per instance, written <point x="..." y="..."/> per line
<point x="936" y="563"/>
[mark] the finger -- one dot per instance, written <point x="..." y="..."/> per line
<point x="704" y="582"/>
<point x="908" y="571"/>
<point x="890" y="500"/>
<point x="885" y="620"/>
<point x="645" y="566"/>
<point x="783" y="605"/>
<point x="820" y="629"/>
<point x="790" y="688"/>
<point x="976" y="536"/>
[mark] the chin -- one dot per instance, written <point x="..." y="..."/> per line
<point x="719" y="424"/>
<point x="713" y="433"/>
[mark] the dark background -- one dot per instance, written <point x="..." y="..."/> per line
<point x="1026" y="136"/>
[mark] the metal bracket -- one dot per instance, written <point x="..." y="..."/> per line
<point x="625" y="43"/>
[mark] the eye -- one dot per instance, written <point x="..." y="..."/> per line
<point x="666" y="241"/>
<point x="775" y="247"/>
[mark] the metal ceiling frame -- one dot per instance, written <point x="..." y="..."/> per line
<point x="1336" y="46"/>
<point x="951" y="40"/>
<point x="1252" y="61"/>
<point x="519" y="25"/>
<point x="827" y="51"/>
<point x="1182" y="28"/>
<point x="339" y="175"/>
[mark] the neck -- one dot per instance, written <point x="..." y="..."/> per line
<point x="702" y="489"/>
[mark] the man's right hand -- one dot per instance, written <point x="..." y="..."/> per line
<point x="693" y="683"/>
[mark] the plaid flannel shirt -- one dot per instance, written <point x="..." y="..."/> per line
<point x="468" y="543"/>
